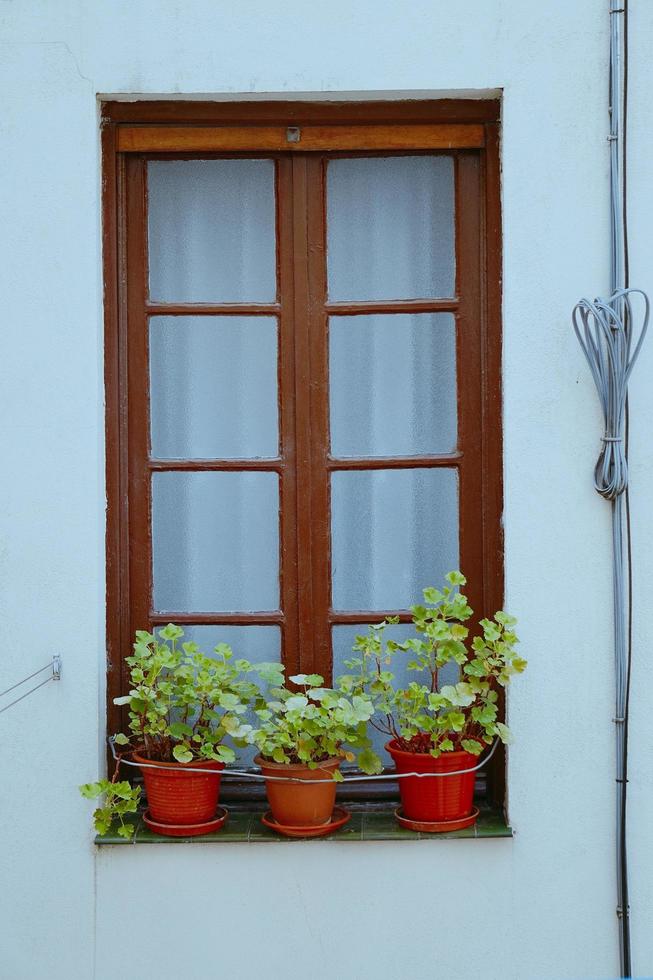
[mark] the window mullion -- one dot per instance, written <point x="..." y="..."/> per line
<point x="469" y="368"/>
<point x="311" y="420"/>
<point x="302" y="388"/>
<point x="287" y="394"/>
<point x="318" y="326"/>
<point x="135" y="411"/>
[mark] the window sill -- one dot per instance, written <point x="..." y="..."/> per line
<point x="368" y="823"/>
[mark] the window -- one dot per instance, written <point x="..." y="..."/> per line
<point x="303" y="369"/>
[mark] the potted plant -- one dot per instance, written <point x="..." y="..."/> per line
<point x="434" y="727"/>
<point x="305" y="735"/>
<point x="182" y="706"/>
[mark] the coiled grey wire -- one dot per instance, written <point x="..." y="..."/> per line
<point x="608" y="337"/>
<point x="605" y="332"/>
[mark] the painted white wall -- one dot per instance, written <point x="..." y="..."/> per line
<point x="539" y="906"/>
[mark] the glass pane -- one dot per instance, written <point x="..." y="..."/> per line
<point x="393" y="384"/>
<point x="212" y="231"/>
<point x="213" y="387"/>
<point x="343" y="640"/>
<point x="390" y="223"/>
<point x="394" y="532"/>
<point x="215" y="541"/>
<point x="256" y="644"/>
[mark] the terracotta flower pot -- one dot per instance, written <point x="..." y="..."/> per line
<point x="178" y="797"/>
<point x="294" y="805"/>
<point x="440" y="798"/>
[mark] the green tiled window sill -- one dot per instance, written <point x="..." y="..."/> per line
<point x="367" y="823"/>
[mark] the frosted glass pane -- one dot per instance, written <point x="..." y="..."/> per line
<point x="343" y="638"/>
<point x="257" y="644"/>
<point x="213" y="387"/>
<point x="393" y="384"/>
<point x="393" y="533"/>
<point x="215" y="541"/>
<point x="390" y="223"/>
<point x="212" y="231"/>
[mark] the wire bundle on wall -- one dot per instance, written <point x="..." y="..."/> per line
<point x="611" y="342"/>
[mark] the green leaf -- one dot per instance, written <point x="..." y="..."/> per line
<point x="308" y="680"/>
<point x="91" y="791"/>
<point x="484" y="715"/>
<point x="231" y="724"/>
<point x="471" y="746"/>
<point x="121" y="739"/>
<point x="370" y="762"/>
<point x="296" y="702"/>
<point x="102" y="818"/>
<point x="179" y="730"/>
<point x="271" y="673"/>
<point x="171" y="632"/>
<point x="124" y="791"/>
<point x="182" y="753"/>
<point x="462" y="698"/>
<point x="503" y="618"/>
<point x="504" y="733"/>
<point x="229" y="701"/>
<point x="455" y="721"/>
<point x="432" y="596"/>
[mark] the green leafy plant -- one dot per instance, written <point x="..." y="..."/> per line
<point x="119" y="799"/>
<point x="430" y="717"/>
<point x="313" y="724"/>
<point x="183" y="704"/>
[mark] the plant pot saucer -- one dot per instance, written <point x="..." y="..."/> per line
<point x="339" y="818"/>
<point x="187" y="829"/>
<point x="436" y="826"/>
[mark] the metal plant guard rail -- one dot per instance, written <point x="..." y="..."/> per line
<point x="244" y="773"/>
<point x="54" y="666"/>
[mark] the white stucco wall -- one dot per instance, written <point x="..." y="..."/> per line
<point x="538" y="906"/>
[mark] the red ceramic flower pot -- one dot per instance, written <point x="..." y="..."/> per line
<point x="297" y="805"/>
<point x="438" y="798"/>
<point x="178" y="797"/>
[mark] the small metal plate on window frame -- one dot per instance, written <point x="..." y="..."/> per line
<point x="293" y="134"/>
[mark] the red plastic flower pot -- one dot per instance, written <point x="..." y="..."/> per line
<point x="178" y="797"/>
<point x="440" y="797"/>
<point x="294" y="805"/>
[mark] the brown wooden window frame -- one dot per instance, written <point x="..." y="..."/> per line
<point x="133" y="133"/>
